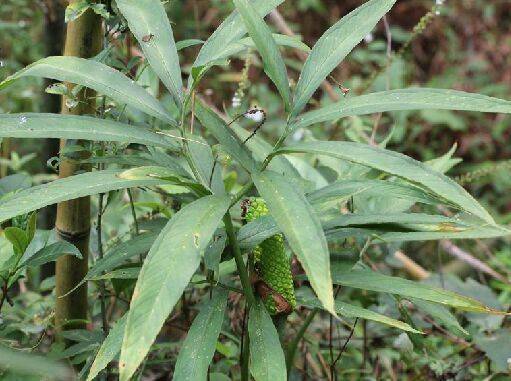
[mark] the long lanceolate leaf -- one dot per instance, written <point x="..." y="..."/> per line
<point x="261" y="149"/>
<point x="334" y="45"/>
<point x="404" y="99"/>
<point x="305" y="297"/>
<point x="231" y="29"/>
<point x="118" y="255"/>
<point x="148" y="21"/>
<point x="32" y="125"/>
<point x="373" y="281"/>
<point x="225" y="136"/>
<point x="247" y="43"/>
<point x="199" y="347"/>
<point x="398" y="165"/>
<point x="263" y="39"/>
<point x="110" y="347"/>
<point x="171" y="262"/>
<point x="267" y="362"/>
<point x="342" y="190"/>
<point x="297" y="220"/>
<point x="96" y="76"/>
<point x="70" y="188"/>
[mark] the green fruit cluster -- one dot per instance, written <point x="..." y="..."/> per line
<point x="271" y="260"/>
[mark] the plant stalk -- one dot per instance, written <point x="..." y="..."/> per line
<point x="102" y="289"/>
<point x="83" y="39"/>
<point x="247" y="290"/>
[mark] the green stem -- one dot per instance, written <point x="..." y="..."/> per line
<point x="133" y="212"/>
<point x="245" y="356"/>
<point x="247" y="290"/>
<point x="291" y="351"/>
<point x="275" y="148"/>
<point x="102" y="288"/>
<point x="238" y="257"/>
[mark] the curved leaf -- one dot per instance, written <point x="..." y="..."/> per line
<point x="252" y="234"/>
<point x="96" y="76"/>
<point x="470" y="232"/>
<point x="342" y="190"/>
<point x="183" y="44"/>
<point x="123" y="273"/>
<point x="334" y="45"/>
<point x="273" y="63"/>
<point x="260" y="149"/>
<point x="267" y="362"/>
<point x="307" y="299"/>
<point x="373" y="281"/>
<point x="302" y="229"/>
<point x="148" y="22"/>
<point x="403" y="99"/>
<point x="398" y="165"/>
<point x="200" y="343"/>
<point x="430" y="222"/>
<point x="70" y="188"/>
<point x="118" y="255"/>
<point x="225" y="136"/>
<point x="381" y="235"/>
<point x="231" y="30"/>
<point x="202" y="157"/>
<point x="50" y="253"/>
<point x="255" y="232"/>
<point x="32" y="125"/>
<point x="169" y="266"/>
<point x="440" y="314"/>
<point x="245" y="43"/>
<point x="110" y="347"/>
<point x="281" y="40"/>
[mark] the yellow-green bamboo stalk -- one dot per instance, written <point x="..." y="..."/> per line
<point x="83" y="39"/>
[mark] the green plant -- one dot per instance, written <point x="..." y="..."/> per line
<point x="315" y="216"/>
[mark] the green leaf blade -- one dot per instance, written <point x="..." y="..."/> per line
<point x="373" y="281"/>
<point x="306" y="298"/>
<point x="396" y="164"/>
<point x="334" y="45"/>
<point x="51" y="253"/>
<point x="35" y="125"/>
<point x="225" y="136"/>
<point x="231" y="30"/>
<point x="97" y="76"/>
<point x="199" y="346"/>
<point x="69" y="188"/>
<point x="272" y="60"/>
<point x="110" y="347"/>
<point x="302" y="228"/>
<point x="403" y="99"/>
<point x="267" y="361"/>
<point x="167" y="270"/>
<point x="148" y="21"/>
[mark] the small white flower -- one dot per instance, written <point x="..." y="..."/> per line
<point x="23" y="119"/>
<point x="236" y="101"/>
<point x="256" y="115"/>
<point x="369" y="38"/>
